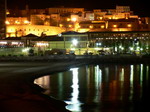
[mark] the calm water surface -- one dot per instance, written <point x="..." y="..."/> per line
<point x="101" y="88"/>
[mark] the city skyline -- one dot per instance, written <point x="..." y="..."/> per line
<point x="140" y="8"/>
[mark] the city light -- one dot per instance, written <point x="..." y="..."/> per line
<point x="7" y="22"/>
<point x="69" y="26"/>
<point x="60" y="25"/>
<point x="74" y="19"/>
<point x="102" y="26"/>
<point x="25" y="50"/>
<point x="3" y="42"/>
<point x="68" y="19"/>
<point x="91" y="26"/>
<point x="114" y="26"/>
<point x="74" y="42"/>
<point x="129" y="25"/>
<point x="42" y="44"/>
<point x="26" y="22"/>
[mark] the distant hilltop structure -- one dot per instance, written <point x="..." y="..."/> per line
<point x="52" y="21"/>
<point x="2" y="18"/>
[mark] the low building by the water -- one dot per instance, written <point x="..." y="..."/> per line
<point x="137" y="42"/>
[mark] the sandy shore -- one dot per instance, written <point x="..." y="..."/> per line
<point x="19" y="93"/>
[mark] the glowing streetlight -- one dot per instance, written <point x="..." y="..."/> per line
<point x="74" y="19"/>
<point x="74" y="42"/>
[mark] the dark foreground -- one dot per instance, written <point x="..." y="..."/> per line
<point x="18" y="93"/>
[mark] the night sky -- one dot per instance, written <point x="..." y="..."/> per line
<point x="140" y="7"/>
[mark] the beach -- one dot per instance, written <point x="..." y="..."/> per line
<point x="19" y="93"/>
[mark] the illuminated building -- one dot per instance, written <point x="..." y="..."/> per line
<point x="120" y="9"/>
<point x="64" y="10"/>
<point x="131" y="42"/>
<point x="40" y="19"/>
<point x="121" y="12"/>
<point x="39" y="30"/>
<point x="92" y="26"/>
<point x="52" y="21"/>
<point x="123" y="25"/>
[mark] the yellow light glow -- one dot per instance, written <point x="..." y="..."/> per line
<point x="68" y="19"/>
<point x="100" y="18"/>
<point x="91" y="26"/>
<point x="74" y="19"/>
<point x="17" y="22"/>
<point x="70" y="26"/>
<point x="79" y="26"/>
<point x="26" y="22"/>
<point x="114" y="26"/>
<point x="129" y="25"/>
<point x="7" y="12"/>
<point x="102" y="26"/>
<point x="7" y="22"/>
<point x="83" y="30"/>
<point x="60" y="25"/>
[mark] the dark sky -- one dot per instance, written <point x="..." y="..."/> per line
<point x="140" y="7"/>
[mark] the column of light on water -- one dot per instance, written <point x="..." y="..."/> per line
<point x="122" y="82"/>
<point x="141" y="78"/>
<point x="97" y="83"/>
<point x="131" y="81"/>
<point x="141" y="75"/>
<point x="74" y="104"/>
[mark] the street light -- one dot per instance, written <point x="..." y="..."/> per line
<point x="74" y="42"/>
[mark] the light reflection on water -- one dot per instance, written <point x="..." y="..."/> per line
<point x="100" y="88"/>
<point x="74" y="103"/>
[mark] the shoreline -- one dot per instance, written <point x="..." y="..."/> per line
<point x="20" y="94"/>
<point x="80" y="58"/>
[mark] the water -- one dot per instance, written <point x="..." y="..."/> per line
<point x="101" y="88"/>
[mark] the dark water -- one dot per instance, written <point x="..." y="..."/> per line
<point x="101" y="88"/>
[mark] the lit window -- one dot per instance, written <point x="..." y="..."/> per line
<point x="114" y="26"/>
<point x="100" y="18"/>
<point x="7" y="22"/>
<point x="70" y="26"/>
<point x="26" y="22"/>
<point x="91" y="26"/>
<point x="129" y="25"/>
<point x="102" y="26"/>
<point x="68" y="19"/>
<point x="74" y="19"/>
<point x="60" y="25"/>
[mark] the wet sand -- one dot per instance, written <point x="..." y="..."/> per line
<point x="18" y="93"/>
